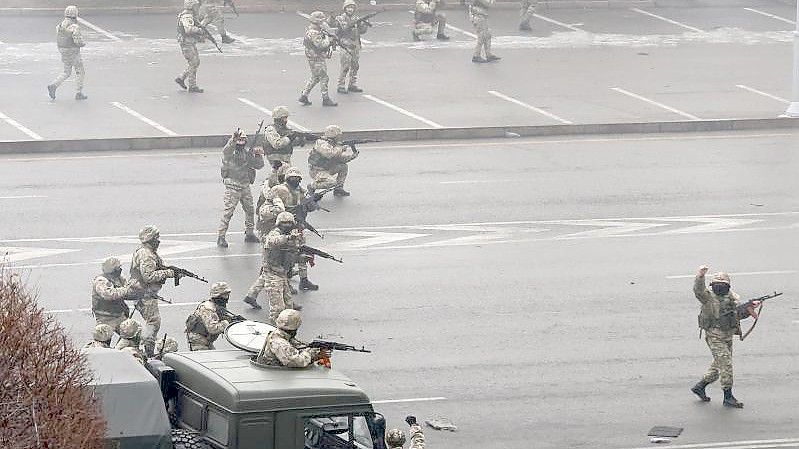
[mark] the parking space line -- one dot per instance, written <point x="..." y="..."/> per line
<point x="21" y="197"/>
<point x="269" y="113"/>
<point x="146" y="120"/>
<point x="19" y="126"/>
<point x="655" y="103"/>
<point x="98" y="29"/>
<point x="561" y="24"/>
<point x="530" y="107"/>
<point x="402" y="111"/>
<point x="765" y="94"/>
<point x="673" y="22"/>
<point x="773" y="16"/>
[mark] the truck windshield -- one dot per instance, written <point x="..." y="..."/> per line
<point x="357" y="431"/>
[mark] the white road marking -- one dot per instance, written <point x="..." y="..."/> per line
<point x="479" y="181"/>
<point x="459" y="30"/>
<point x="736" y="444"/>
<point x="14" y="254"/>
<point x="773" y="16"/>
<point x="402" y="111"/>
<point x="530" y="107"/>
<point x="609" y="228"/>
<point x="269" y="113"/>
<point x="673" y="22"/>
<point x="711" y="224"/>
<point x="98" y="29"/>
<point x="146" y="120"/>
<point x="741" y="273"/>
<point x="655" y="103"/>
<point x="160" y="304"/>
<point x="561" y="24"/>
<point x="19" y="197"/>
<point x="303" y="15"/>
<point x="398" y="401"/>
<point x="760" y="92"/>
<point x="19" y="126"/>
<point x="372" y="238"/>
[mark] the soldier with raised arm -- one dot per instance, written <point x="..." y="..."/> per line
<point x="239" y="165"/>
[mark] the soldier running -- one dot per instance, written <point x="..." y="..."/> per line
<point x="69" y="42"/>
<point x="318" y="49"/>
<point x="190" y="33"/>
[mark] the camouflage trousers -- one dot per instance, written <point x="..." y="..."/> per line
<point x="426" y="28"/>
<point x="480" y="23"/>
<point x="528" y="9"/>
<point x="278" y="292"/>
<point x="329" y="177"/>
<point x="350" y="63"/>
<point x="199" y="342"/>
<point x="72" y="60"/>
<point x="213" y="16"/>
<point x="113" y="321"/>
<point x="721" y="348"/>
<point x="148" y="308"/>
<point x="233" y="196"/>
<point x="318" y="76"/>
<point x="193" y="60"/>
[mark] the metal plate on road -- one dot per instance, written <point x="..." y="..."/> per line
<point x="248" y="335"/>
<point x="665" y="431"/>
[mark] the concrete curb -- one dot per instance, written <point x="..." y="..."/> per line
<point x="399" y="135"/>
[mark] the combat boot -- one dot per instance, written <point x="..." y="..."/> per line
<point x="326" y="101"/>
<point x="304" y="100"/>
<point x="252" y="302"/>
<point x="249" y="237"/>
<point x="342" y="90"/>
<point x="442" y="37"/>
<point x="492" y="58"/>
<point x="181" y="82"/>
<point x="478" y="59"/>
<point x="80" y="96"/>
<point x="730" y="401"/>
<point x="227" y="39"/>
<point x="339" y="191"/>
<point x="354" y="88"/>
<point x="305" y="284"/>
<point x="525" y="26"/>
<point x="221" y="242"/>
<point x="195" y="89"/>
<point x="51" y="91"/>
<point x="699" y="390"/>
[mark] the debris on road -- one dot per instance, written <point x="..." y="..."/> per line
<point x="441" y="424"/>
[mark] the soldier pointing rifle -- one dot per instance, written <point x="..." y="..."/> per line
<point x="207" y="323"/>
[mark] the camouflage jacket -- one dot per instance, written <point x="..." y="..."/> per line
<point x="205" y="321"/>
<point x="68" y="34"/>
<point x="281" y="252"/>
<point x="425" y="11"/>
<point x="317" y="44"/>
<point x="277" y="143"/>
<point x="718" y="313"/>
<point x="145" y="268"/>
<point x="280" y="349"/>
<point x="325" y="155"/>
<point x="238" y="166"/>
<point x="417" y="438"/>
<point x="349" y="34"/>
<point x="188" y="31"/>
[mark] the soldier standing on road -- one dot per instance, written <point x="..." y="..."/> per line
<point x="238" y="173"/>
<point x="426" y="16"/>
<point x="328" y="162"/>
<point x="109" y="292"/>
<point x="350" y="36"/>
<point x="318" y="49"/>
<point x="279" y="143"/>
<point x="146" y="268"/>
<point x="211" y="11"/>
<point x="101" y="337"/>
<point x="189" y="34"/>
<point x="281" y="347"/>
<point x="281" y="251"/>
<point x="528" y="9"/>
<point x="719" y="318"/>
<point x="205" y="324"/>
<point x="395" y="438"/>
<point x="478" y="14"/>
<point x="69" y="42"/>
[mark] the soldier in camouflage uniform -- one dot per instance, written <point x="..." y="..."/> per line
<point x="478" y="14"/>
<point x="166" y="345"/>
<point x="281" y="346"/>
<point x="279" y="143"/>
<point x="281" y="251"/>
<point x="395" y="438"/>
<point x="147" y="269"/>
<point x="211" y="11"/>
<point x="238" y="172"/>
<point x="130" y="339"/>
<point x="720" y="321"/>
<point x="205" y="325"/>
<point x="528" y="9"/>
<point x="189" y="34"/>
<point x="69" y="42"/>
<point x="426" y="17"/>
<point x="350" y="37"/>
<point x="101" y="338"/>
<point x="328" y="161"/>
<point x="110" y="290"/>
<point x="318" y="49"/>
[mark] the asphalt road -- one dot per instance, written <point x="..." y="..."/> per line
<point x="536" y="292"/>
<point x="577" y="66"/>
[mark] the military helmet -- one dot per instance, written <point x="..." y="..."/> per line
<point x="148" y="233"/>
<point x="129" y="329"/>
<point x="317" y="17"/>
<point x="285" y="217"/>
<point x="720" y="278"/>
<point x="110" y="265"/>
<point x="288" y="320"/>
<point x="349" y="3"/>
<point x="332" y="131"/>
<point x="280" y="112"/>
<point x="190" y="4"/>
<point x="171" y="345"/>
<point x="71" y="11"/>
<point x="219" y="289"/>
<point x="293" y="172"/>
<point x="103" y="332"/>
<point x="395" y="438"/>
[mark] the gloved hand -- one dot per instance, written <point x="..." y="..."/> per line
<point x="411" y="420"/>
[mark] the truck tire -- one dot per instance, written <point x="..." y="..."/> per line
<point x="186" y="439"/>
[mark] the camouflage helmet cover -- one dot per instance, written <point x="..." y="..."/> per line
<point x="285" y="217"/>
<point x="171" y="345"/>
<point x="71" y="11"/>
<point x="720" y="278"/>
<point x="129" y="329"/>
<point x="293" y="172"/>
<point x="148" y="233"/>
<point x="189" y="4"/>
<point x="280" y="112"/>
<point x="349" y="3"/>
<point x="317" y="17"/>
<point x="332" y="131"/>
<point x="110" y="265"/>
<point x="103" y="332"/>
<point x="288" y="320"/>
<point x="219" y="289"/>
<point x="395" y="438"/>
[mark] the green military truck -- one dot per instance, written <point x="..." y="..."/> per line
<point x="222" y="399"/>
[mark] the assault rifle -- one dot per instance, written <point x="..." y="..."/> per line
<point x="358" y="21"/>
<point x="305" y="249"/>
<point x="182" y="272"/>
<point x="207" y="34"/>
<point x="228" y="315"/>
<point x="232" y="6"/>
<point x="335" y="346"/>
<point x="352" y="142"/>
<point x="332" y="34"/>
<point x="742" y="308"/>
<point x="306" y="136"/>
<point x="310" y="204"/>
<point x="163" y="345"/>
<point x="257" y="133"/>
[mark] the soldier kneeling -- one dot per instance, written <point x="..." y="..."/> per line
<point x="205" y="325"/>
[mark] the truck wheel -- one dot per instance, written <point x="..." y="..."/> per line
<point x="186" y="439"/>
